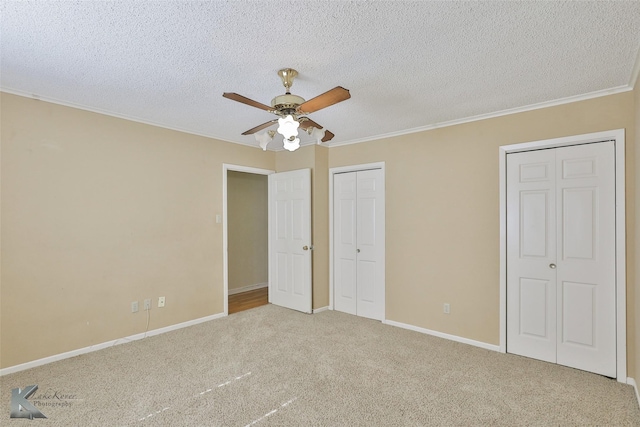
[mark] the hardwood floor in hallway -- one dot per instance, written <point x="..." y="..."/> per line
<point x="246" y="300"/>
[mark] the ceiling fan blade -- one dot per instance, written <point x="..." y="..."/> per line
<point x="245" y="100"/>
<point x="308" y="123"/>
<point x="335" y="95"/>
<point x="328" y="136"/>
<point x="259" y="127"/>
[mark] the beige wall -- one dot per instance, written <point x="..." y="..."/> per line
<point x="442" y="219"/>
<point x="98" y="212"/>
<point x="247" y="227"/>
<point x="315" y="158"/>
<point x="320" y="191"/>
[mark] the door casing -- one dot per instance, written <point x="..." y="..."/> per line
<point x="618" y="136"/>
<point x="225" y="243"/>
<point x="354" y="168"/>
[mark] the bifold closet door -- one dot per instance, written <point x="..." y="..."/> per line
<point x="561" y="288"/>
<point x="358" y="243"/>
<point x="344" y="242"/>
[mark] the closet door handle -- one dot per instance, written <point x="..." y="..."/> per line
<point x="358" y="250"/>
<point x="552" y="266"/>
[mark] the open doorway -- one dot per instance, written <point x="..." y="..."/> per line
<point x="246" y="238"/>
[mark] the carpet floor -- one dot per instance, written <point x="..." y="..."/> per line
<point x="271" y="366"/>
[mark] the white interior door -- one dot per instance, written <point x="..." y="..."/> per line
<point x="586" y="294"/>
<point x="344" y="242"/>
<point x="370" y="233"/>
<point x="561" y="256"/>
<point x="290" y="239"/>
<point x="531" y="249"/>
<point x="359" y="243"/>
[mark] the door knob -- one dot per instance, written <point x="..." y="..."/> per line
<point x="305" y="248"/>
<point x="552" y="266"/>
<point x="358" y="250"/>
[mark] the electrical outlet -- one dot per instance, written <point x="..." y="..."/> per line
<point x="447" y="308"/>
<point x="134" y="307"/>
<point x="147" y="304"/>
<point x="160" y="301"/>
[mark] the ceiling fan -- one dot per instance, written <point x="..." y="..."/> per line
<point x="292" y="110"/>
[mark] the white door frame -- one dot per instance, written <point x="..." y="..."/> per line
<point x="618" y="136"/>
<point x="355" y="168"/>
<point x="225" y="244"/>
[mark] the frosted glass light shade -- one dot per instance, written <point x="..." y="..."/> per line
<point x="318" y="134"/>
<point x="263" y="139"/>
<point x="288" y="127"/>
<point x="292" y="145"/>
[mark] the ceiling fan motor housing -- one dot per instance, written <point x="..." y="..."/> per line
<point x="286" y="104"/>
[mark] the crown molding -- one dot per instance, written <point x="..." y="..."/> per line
<point x="118" y="115"/>
<point x="136" y="119"/>
<point x="531" y="107"/>
<point x="635" y="71"/>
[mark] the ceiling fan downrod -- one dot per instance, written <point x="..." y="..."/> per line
<point x="287" y="104"/>
<point x="287" y="75"/>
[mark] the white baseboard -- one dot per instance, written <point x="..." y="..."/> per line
<point x="248" y="288"/>
<point x="320" y="310"/>
<point x="632" y="382"/>
<point x="96" y="347"/>
<point x="443" y="335"/>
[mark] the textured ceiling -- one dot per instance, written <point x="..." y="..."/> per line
<point x="408" y="65"/>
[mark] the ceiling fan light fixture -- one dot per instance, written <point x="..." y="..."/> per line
<point x="291" y="145"/>
<point x="264" y="139"/>
<point x="318" y="134"/>
<point x="288" y="127"/>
